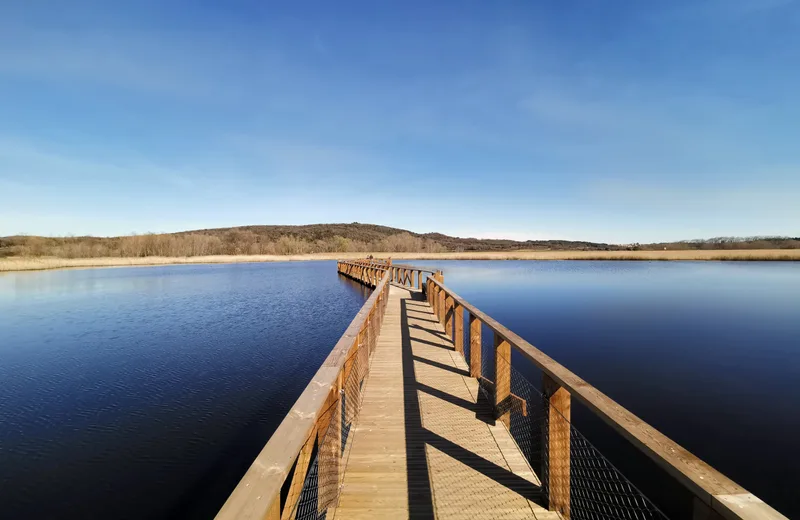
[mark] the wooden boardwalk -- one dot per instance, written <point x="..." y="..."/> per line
<point x="425" y="445"/>
<point x="420" y="439"/>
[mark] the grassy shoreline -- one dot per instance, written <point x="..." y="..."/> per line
<point x="45" y="263"/>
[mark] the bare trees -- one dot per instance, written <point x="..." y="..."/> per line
<point x="234" y="242"/>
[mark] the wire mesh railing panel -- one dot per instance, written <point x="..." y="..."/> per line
<point x="322" y="483"/>
<point x="577" y="480"/>
<point x="307" y="506"/>
<point x="599" y="491"/>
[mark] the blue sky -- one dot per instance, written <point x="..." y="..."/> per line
<point x="613" y="121"/>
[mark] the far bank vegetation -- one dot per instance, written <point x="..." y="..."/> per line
<point x="196" y="244"/>
<point x="333" y="238"/>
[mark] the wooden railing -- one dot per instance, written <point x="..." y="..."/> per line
<point x="312" y="429"/>
<point x="273" y="485"/>
<point x="715" y="495"/>
<point x="367" y="272"/>
<point x="402" y="274"/>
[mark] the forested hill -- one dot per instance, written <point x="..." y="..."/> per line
<point x="371" y="233"/>
<point x="327" y="238"/>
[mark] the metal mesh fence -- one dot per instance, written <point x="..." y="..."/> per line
<point x="573" y="472"/>
<point x="320" y="491"/>
<point x="577" y="480"/>
<point x="307" y="506"/>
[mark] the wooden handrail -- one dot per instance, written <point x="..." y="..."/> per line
<point x="388" y="263"/>
<point x="402" y="274"/>
<point x="258" y="494"/>
<point x="364" y="272"/>
<point x="415" y="268"/>
<point x="717" y="494"/>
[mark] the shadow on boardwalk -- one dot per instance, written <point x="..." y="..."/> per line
<point x="428" y="432"/>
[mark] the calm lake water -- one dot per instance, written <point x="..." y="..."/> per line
<point x="147" y="392"/>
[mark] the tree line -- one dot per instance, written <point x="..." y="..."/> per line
<point x="198" y="244"/>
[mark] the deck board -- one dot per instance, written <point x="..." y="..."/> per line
<point x="424" y="445"/>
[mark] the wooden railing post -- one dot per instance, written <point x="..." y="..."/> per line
<point x="419" y="280"/>
<point x="440" y="306"/>
<point x="363" y="351"/>
<point x="474" y="346"/>
<point x="458" y="315"/>
<point x="556" y="439"/>
<point x="438" y="301"/>
<point x="448" y="316"/>
<point x="502" y="379"/>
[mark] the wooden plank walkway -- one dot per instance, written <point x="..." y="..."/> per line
<point x="424" y="445"/>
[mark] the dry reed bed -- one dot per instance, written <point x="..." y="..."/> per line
<point x="34" y="264"/>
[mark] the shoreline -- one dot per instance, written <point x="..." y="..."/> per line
<point x="13" y="264"/>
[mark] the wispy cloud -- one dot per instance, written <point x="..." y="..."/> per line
<point x="41" y="165"/>
<point x="141" y="60"/>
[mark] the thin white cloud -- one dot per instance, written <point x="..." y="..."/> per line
<point x="180" y="65"/>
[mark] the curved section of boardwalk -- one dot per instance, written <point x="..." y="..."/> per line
<point x="425" y="445"/>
